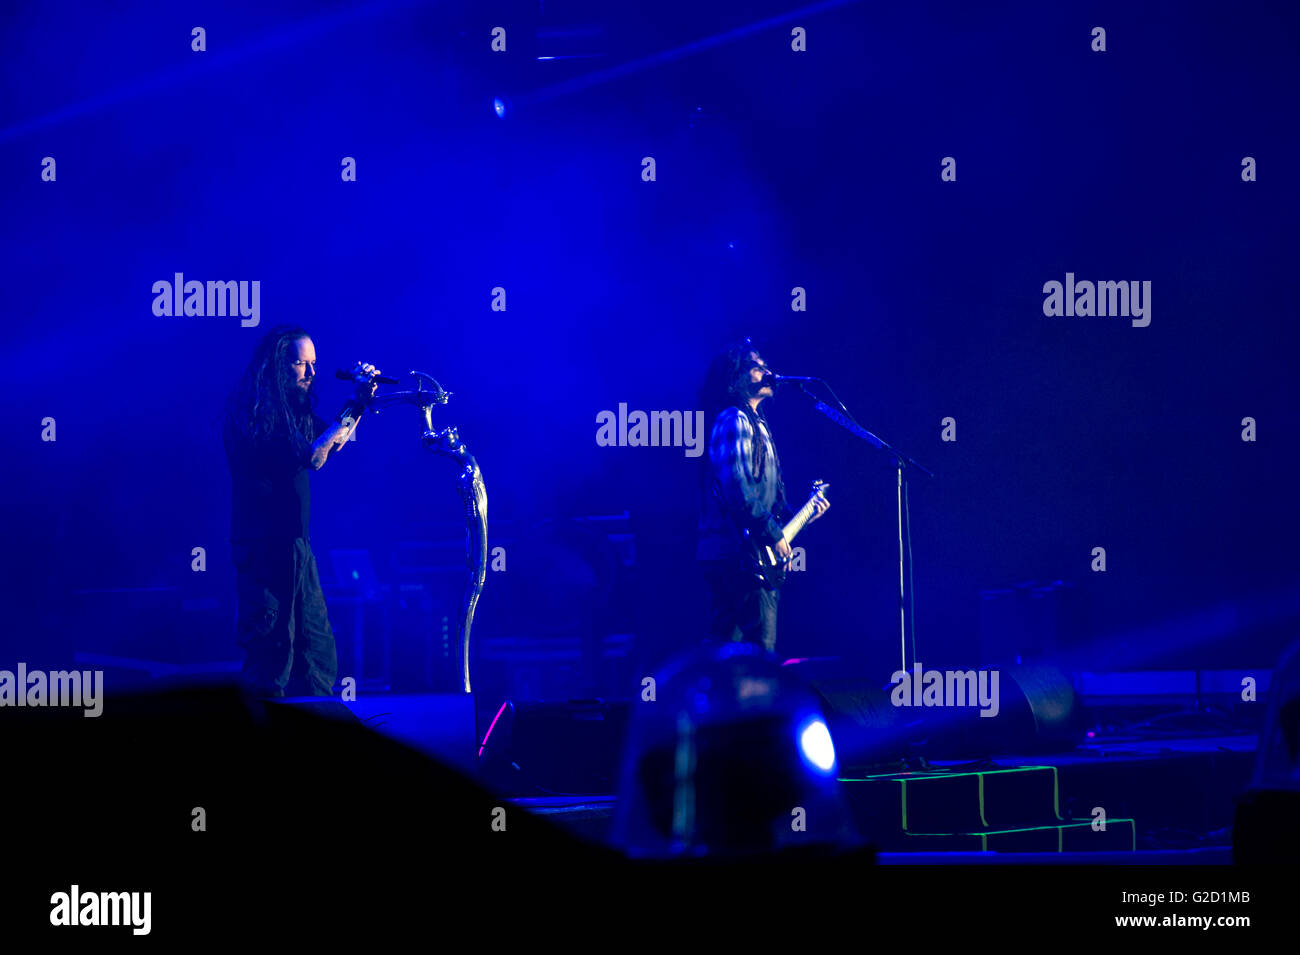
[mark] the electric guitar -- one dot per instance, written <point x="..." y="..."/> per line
<point x="762" y="560"/>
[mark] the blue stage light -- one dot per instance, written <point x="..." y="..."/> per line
<point x="816" y="746"/>
<point x="499" y="107"/>
<point x="733" y="744"/>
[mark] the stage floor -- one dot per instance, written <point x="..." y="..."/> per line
<point x="1164" y="801"/>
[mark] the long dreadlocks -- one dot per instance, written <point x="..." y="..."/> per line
<point x="260" y="408"/>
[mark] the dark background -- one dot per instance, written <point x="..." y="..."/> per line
<point x="775" y="169"/>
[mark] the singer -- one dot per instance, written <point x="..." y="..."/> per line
<point x="273" y="439"/>
<point x="741" y="491"/>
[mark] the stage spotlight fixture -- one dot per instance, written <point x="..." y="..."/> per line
<point x="732" y="759"/>
<point x="816" y="746"/>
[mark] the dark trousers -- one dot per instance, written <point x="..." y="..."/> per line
<point x="283" y="625"/>
<point x="739" y="607"/>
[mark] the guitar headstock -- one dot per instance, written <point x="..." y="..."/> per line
<point x="819" y="488"/>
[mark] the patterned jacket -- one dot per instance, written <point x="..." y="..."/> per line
<point x="744" y="489"/>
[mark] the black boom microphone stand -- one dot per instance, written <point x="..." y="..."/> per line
<point x="902" y="462"/>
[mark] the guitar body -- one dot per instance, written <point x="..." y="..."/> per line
<point x="762" y="560"/>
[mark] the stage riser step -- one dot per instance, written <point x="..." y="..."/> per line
<point x="1118" y="836"/>
<point x="955" y="802"/>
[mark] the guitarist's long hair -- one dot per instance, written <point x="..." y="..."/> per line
<point x="725" y="387"/>
<point x="260" y="409"/>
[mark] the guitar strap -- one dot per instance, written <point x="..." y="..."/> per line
<point x="782" y="508"/>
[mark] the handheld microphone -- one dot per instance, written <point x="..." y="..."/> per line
<point x="380" y="379"/>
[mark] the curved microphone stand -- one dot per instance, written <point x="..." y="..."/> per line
<point x="472" y="494"/>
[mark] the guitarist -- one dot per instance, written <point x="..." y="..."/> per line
<point x="742" y="491"/>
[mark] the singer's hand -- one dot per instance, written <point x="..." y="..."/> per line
<point x="364" y="375"/>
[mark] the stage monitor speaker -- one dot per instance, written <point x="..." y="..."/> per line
<point x="865" y="727"/>
<point x="553" y="748"/>
<point x="1037" y="712"/>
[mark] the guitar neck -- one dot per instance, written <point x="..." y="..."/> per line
<point x="799" y="520"/>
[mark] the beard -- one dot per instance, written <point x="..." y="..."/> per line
<point x="303" y="398"/>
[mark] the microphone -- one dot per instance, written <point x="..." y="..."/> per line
<point x="380" y="379"/>
<point x="783" y="379"/>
